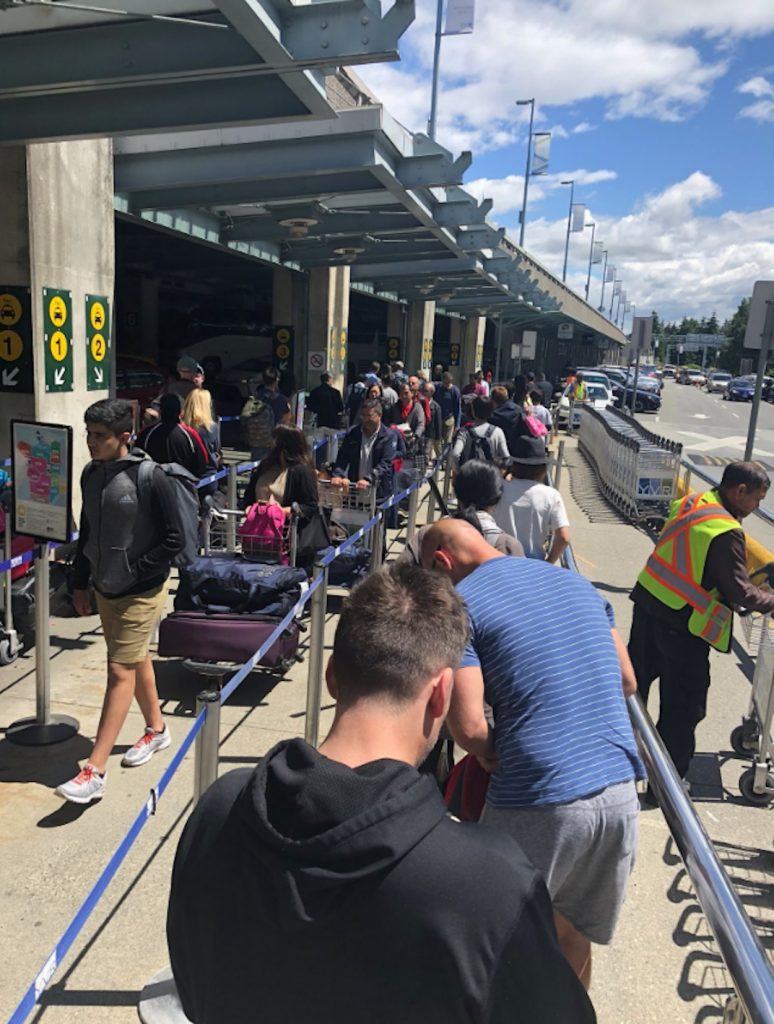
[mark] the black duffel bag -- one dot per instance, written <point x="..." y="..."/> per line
<point x="349" y="568"/>
<point x="227" y="583"/>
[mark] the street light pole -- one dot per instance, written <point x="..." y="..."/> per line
<point x="593" y="227"/>
<point x="569" y="222"/>
<point x="523" y="103"/>
<point x="766" y="340"/>
<point x="612" y="298"/>
<point x="436" y="66"/>
<point x="604" y="275"/>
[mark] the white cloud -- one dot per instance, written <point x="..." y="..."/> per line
<point x="669" y="256"/>
<point x="507" y="192"/>
<point x="582" y="127"/>
<point x="639" y="59"/>
<point x="559" y="132"/>
<point x="763" y="109"/>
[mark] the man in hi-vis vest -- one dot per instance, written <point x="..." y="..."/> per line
<point x="685" y="598"/>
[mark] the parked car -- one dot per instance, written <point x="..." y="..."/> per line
<point x="139" y="380"/>
<point x="717" y="381"/>
<point x="646" y="401"/>
<point x="740" y="390"/>
<point x="669" y="371"/>
<point x="599" y="398"/>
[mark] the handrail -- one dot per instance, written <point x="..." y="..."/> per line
<point x="740" y="946"/>
<point x="761" y="513"/>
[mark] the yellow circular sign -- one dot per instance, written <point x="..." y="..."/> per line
<point x="10" y="310"/>
<point x="97" y="316"/>
<point x="282" y="351"/>
<point x="11" y="346"/>
<point x="57" y="343"/>
<point x="57" y="311"/>
<point x="98" y="348"/>
<point x="343" y="353"/>
<point x="343" y="339"/>
<point x="283" y="335"/>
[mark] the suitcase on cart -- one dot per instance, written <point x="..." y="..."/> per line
<point x="203" y="637"/>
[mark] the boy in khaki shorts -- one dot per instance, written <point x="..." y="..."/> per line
<point x="126" y="546"/>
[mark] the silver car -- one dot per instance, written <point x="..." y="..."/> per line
<point x="718" y="381"/>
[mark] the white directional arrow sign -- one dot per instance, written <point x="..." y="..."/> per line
<point x="9" y="377"/>
<point x="59" y="375"/>
<point x="99" y="376"/>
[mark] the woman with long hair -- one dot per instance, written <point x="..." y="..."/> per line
<point x="197" y="413"/>
<point x="286" y="476"/>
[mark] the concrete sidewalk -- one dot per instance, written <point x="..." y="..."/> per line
<point x="662" y="966"/>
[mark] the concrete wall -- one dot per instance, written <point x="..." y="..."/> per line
<point x="472" y="346"/>
<point x="419" y="336"/>
<point x="58" y="233"/>
<point x="328" y="319"/>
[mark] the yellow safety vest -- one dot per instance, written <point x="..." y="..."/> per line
<point x="674" y="571"/>
<point x="579" y="392"/>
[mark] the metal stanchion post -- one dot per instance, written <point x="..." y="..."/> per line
<point x="10" y="642"/>
<point x="232" y="504"/>
<point x="377" y="545"/>
<point x="447" y="477"/>
<point x="207" y="532"/>
<point x="314" y="683"/>
<point x="413" y="505"/>
<point x="207" y="743"/>
<point x="431" y="506"/>
<point x="687" y="480"/>
<point x="44" y="728"/>
<point x="559" y="461"/>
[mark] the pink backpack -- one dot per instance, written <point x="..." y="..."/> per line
<point x="263" y="533"/>
<point x="534" y="426"/>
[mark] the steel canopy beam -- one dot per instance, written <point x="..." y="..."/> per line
<point x="480" y="237"/>
<point x="248" y="229"/>
<point x="409" y="269"/>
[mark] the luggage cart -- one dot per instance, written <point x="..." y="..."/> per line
<point x="348" y="507"/>
<point x="217" y="533"/>
<point x="753" y="736"/>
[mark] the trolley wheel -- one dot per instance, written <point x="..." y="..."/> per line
<point x="746" y="780"/>
<point x="744" y="739"/>
<point x="6" y="656"/>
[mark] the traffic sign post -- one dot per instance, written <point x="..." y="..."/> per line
<point x="15" y="340"/>
<point x="283" y="345"/>
<point x="760" y="332"/>
<point x="58" y="339"/>
<point x="455" y="350"/>
<point x="99" y="348"/>
<point x="393" y="350"/>
<point x="642" y="335"/>
<point x="318" y="362"/>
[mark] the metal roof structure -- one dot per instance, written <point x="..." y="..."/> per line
<point x="87" y="68"/>
<point x="358" y="190"/>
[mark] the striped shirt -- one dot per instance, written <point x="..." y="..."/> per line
<point x="541" y="636"/>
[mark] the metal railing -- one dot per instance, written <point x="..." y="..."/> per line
<point x="742" y="951"/>
<point x="692" y="470"/>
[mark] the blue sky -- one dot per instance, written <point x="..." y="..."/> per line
<point x="663" y="111"/>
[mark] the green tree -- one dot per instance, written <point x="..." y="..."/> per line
<point x="734" y="351"/>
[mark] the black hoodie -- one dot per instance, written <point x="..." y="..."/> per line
<point x="306" y="892"/>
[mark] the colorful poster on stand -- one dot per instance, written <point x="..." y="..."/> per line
<point x="42" y="475"/>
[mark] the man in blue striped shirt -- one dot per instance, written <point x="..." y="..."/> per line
<point x="545" y="656"/>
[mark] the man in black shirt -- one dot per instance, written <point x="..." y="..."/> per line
<point x="326" y="403"/>
<point x="171" y="440"/>
<point x="128" y="538"/>
<point x="331" y="886"/>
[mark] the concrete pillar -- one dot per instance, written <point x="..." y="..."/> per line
<point x="58" y="232"/>
<point x="328" y="322"/>
<point x="420" y="324"/>
<point x="472" y="346"/>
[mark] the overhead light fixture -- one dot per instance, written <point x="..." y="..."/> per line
<point x="349" y="253"/>
<point x="298" y="227"/>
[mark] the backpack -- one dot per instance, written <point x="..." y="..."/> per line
<point x="262" y="533"/>
<point x="257" y="422"/>
<point x="475" y="446"/>
<point x="186" y="502"/>
<point x="534" y="426"/>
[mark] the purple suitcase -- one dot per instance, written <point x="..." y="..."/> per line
<point x="230" y="638"/>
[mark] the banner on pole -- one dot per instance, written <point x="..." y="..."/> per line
<point x="578" y="219"/>
<point x="597" y="255"/>
<point x="541" y="149"/>
<point x="627" y="307"/>
<point x="460" y="15"/>
<point x="642" y="334"/>
<point x="616" y="288"/>
<point x="609" y="275"/>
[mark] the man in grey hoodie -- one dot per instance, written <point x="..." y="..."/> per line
<point x="129" y="536"/>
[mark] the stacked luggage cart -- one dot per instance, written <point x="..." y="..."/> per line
<point x="638" y="470"/>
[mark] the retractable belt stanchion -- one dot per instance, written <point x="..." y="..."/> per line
<point x="231" y="498"/>
<point x="10" y="640"/>
<point x="413" y="505"/>
<point x="44" y="728"/>
<point x="559" y="461"/>
<point x="207" y="743"/>
<point x="447" y="477"/>
<point x="377" y="545"/>
<point x="319" y="601"/>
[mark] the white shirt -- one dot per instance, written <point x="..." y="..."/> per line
<point x="367" y="455"/>
<point x="530" y="511"/>
<point x="389" y="397"/>
<point x="543" y="415"/>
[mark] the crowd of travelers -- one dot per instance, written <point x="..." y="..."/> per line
<point x="332" y="884"/>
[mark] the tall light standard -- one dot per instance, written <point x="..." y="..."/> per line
<point x="604" y="275"/>
<point x="571" y="183"/>
<point x="523" y="103"/>
<point x="593" y="227"/>
<point x="436" y="65"/>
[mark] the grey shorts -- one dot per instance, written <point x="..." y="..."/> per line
<point x="585" y="851"/>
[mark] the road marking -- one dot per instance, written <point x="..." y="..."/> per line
<point x="735" y="415"/>
<point x="585" y="560"/>
<point x="700" y="416"/>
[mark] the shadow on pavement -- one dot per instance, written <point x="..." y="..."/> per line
<point x="703" y="976"/>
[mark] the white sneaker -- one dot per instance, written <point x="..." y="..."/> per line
<point x="87" y="785"/>
<point x="146" y="747"/>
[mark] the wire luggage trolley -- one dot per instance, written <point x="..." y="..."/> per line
<point x="753" y="736"/>
<point x="348" y="507"/>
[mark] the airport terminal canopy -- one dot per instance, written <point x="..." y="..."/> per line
<point x="358" y="190"/>
<point x="90" y="68"/>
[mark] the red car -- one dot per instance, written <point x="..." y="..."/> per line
<point x="139" y="380"/>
